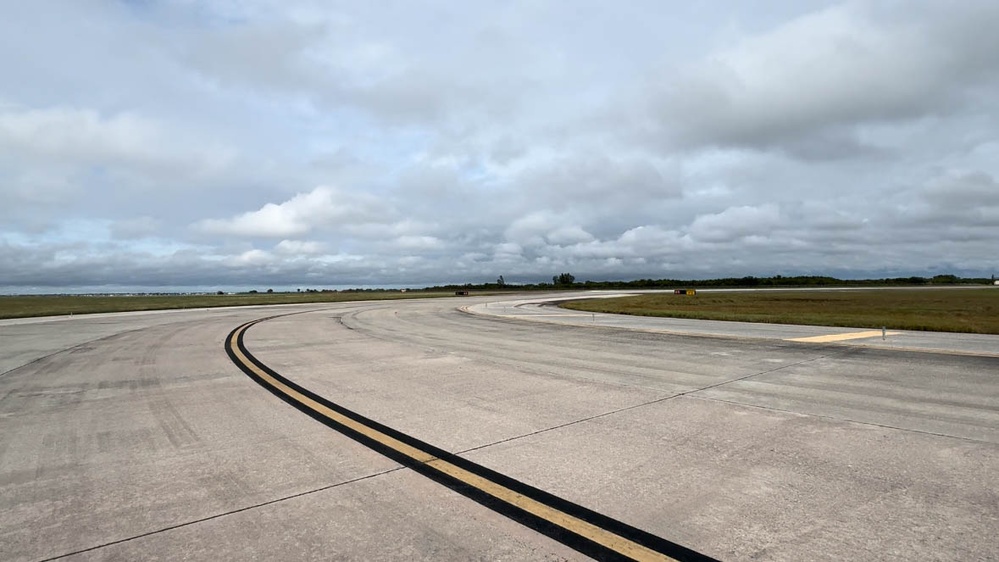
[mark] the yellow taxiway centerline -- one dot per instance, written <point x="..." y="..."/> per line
<point x="583" y="528"/>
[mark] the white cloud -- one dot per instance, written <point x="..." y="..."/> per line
<point x="411" y="243"/>
<point x="72" y="135"/>
<point x="253" y="257"/>
<point x="567" y="235"/>
<point x="322" y="208"/>
<point x="76" y="133"/>
<point x="508" y="250"/>
<point x="530" y="230"/>
<point x="300" y="247"/>
<point x="735" y="223"/>
<point x="650" y="238"/>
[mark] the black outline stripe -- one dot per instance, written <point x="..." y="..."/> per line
<point x="548" y="528"/>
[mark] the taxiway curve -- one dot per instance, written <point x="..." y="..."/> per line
<point x="145" y="440"/>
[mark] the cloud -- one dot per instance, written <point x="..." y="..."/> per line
<point x="802" y="86"/>
<point x="963" y="191"/>
<point x="600" y="180"/>
<point x="134" y="228"/>
<point x="252" y="258"/>
<point x="322" y="208"/>
<point x="268" y="56"/>
<point x="71" y="135"/>
<point x="76" y="133"/>
<point x="411" y="243"/>
<point x="300" y="248"/>
<point x="960" y="203"/>
<point x="319" y="55"/>
<point x="384" y="229"/>
<point x="568" y="235"/>
<point x="67" y="161"/>
<point x="735" y="223"/>
<point x="285" y="143"/>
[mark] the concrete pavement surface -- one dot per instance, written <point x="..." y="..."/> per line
<point x="546" y="310"/>
<point x="135" y="437"/>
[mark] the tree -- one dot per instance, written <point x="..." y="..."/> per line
<point x="564" y="279"/>
<point x="501" y="282"/>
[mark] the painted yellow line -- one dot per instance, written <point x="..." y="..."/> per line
<point x="528" y="314"/>
<point x="583" y="528"/>
<point x="403" y="448"/>
<point x="843" y="337"/>
<point x="596" y="534"/>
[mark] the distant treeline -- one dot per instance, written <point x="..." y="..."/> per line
<point x="735" y="282"/>
<point x="568" y="281"/>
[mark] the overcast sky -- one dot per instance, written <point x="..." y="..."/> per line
<point x="278" y="143"/>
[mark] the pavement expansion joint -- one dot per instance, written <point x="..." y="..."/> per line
<point x="751" y="375"/>
<point x="633" y="407"/>
<point x="841" y="419"/>
<point x="225" y="514"/>
<point x="568" y="424"/>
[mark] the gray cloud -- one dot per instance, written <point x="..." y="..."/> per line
<point x="801" y="86"/>
<point x="317" y="143"/>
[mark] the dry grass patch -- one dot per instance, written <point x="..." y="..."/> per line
<point x="940" y="310"/>
<point x="53" y="305"/>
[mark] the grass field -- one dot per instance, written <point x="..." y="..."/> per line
<point x="52" y="305"/>
<point x="939" y="310"/>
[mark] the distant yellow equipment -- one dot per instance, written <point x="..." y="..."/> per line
<point x="688" y="292"/>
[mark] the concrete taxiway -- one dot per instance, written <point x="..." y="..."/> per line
<point x="135" y="436"/>
<point x="546" y="310"/>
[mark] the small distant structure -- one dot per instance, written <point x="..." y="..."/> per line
<point x="461" y="293"/>
<point x="688" y="292"/>
<point x="996" y="282"/>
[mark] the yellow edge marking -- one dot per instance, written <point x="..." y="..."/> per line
<point x="590" y="531"/>
<point x="842" y="337"/>
<point x="528" y="314"/>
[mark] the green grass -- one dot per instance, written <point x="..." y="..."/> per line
<point x="53" y="305"/>
<point x="939" y="310"/>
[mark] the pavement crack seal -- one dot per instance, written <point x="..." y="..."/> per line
<point x="843" y="420"/>
<point x="586" y="531"/>
<point x="749" y="376"/>
<point x="689" y="393"/>
<point x="219" y="515"/>
<point x="571" y="423"/>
